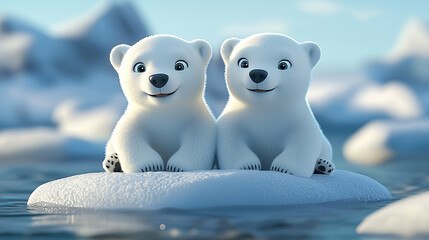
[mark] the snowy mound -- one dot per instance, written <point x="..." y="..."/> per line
<point x="379" y="141"/>
<point x="202" y="189"/>
<point x="406" y="218"/>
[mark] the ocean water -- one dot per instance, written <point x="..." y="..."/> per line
<point x="403" y="177"/>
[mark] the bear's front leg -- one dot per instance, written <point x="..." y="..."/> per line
<point x="233" y="153"/>
<point x="136" y="155"/>
<point x="298" y="158"/>
<point x="196" y="151"/>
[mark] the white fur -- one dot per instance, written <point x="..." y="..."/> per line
<point x="175" y="132"/>
<point x="270" y="130"/>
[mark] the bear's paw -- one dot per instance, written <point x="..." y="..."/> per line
<point x="324" y="167"/>
<point x="111" y="163"/>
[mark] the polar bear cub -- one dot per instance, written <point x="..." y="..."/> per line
<point x="267" y="122"/>
<point x="167" y="124"/>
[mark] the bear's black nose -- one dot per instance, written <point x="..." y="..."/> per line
<point x="258" y="75"/>
<point x="158" y="80"/>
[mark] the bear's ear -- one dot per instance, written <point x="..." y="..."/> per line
<point x="313" y="52"/>
<point x="117" y="54"/>
<point x="227" y="47"/>
<point x="204" y="49"/>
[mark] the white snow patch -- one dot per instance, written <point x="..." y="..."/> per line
<point x="44" y="144"/>
<point x="203" y="189"/>
<point x="394" y="99"/>
<point x="413" y="41"/>
<point x="92" y="123"/>
<point x="12" y="50"/>
<point x="37" y="144"/>
<point x="407" y="217"/>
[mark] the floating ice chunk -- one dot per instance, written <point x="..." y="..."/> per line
<point x="379" y="141"/>
<point x="44" y="144"/>
<point x="35" y="144"/>
<point x="406" y="218"/>
<point x="202" y="189"/>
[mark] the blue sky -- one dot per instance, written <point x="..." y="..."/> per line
<point x="349" y="32"/>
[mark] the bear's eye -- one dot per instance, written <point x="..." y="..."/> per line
<point x="284" y="64"/>
<point x="139" y="67"/>
<point x="243" y="63"/>
<point x="180" y="65"/>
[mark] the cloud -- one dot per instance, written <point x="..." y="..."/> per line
<point x="323" y="7"/>
<point x="241" y="29"/>
<point x="365" y="15"/>
<point x="326" y="7"/>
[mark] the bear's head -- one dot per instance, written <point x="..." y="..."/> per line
<point x="162" y="69"/>
<point x="267" y="68"/>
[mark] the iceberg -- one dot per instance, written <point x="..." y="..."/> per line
<point x="204" y="189"/>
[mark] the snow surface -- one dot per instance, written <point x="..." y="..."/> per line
<point x="407" y="217"/>
<point x="379" y="141"/>
<point x="203" y="189"/>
